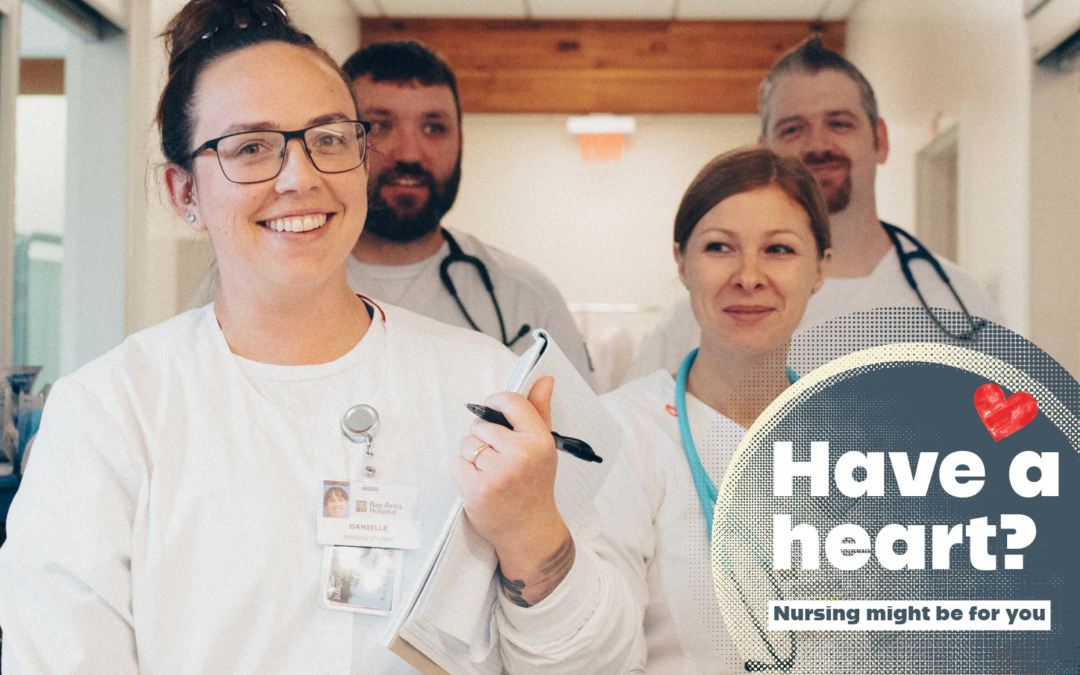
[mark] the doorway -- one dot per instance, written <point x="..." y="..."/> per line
<point x="70" y="188"/>
<point x="937" y="198"/>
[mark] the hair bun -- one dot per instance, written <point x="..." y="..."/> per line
<point x="203" y="31"/>
<point x="202" y="21"/>
<point x="243" y="14"/>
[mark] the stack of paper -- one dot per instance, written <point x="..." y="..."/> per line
<point x="448" y="624"/>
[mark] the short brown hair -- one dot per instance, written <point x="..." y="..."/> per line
<point x="748" y="169"/>
<point x="402" y="62"/>
<point x="811" y="57"/>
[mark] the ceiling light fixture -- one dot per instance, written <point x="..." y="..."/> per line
<point x="602" y="136"/>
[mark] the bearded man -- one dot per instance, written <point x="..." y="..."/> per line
<point x="405" y="256"/>
<point x="817" y="106"/>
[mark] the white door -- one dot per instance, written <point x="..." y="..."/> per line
<point x="937" y="195"/>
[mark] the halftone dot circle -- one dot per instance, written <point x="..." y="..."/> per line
<point x="876" y="418"/>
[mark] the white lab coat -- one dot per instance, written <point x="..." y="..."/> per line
<point x="653" y="521"/>
<point x="676" y="331"/>
<point x="167" y="520"/>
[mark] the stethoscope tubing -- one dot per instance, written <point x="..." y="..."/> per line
<point x="456" y="254"/>
<point x="923" y="253"/>
<point x="707" y="496"/>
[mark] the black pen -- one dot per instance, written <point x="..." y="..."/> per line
<point x="574" y="446"/>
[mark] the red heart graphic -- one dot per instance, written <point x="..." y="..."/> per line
<point x="1003" y="417"/>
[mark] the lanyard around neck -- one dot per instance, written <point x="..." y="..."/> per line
<point x="706" y="489"/>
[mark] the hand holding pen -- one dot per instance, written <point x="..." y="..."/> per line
<point x="573" y="446"/>
<point x="506" y="478"/>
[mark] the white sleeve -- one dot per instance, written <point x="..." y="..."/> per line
<point x="65" y="591"/>
<point x="594" y="621"/>
<point x="676" y="332"/>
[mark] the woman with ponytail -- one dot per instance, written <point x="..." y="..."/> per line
<point x="168" y="520"/>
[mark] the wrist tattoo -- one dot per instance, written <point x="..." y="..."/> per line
<point x="549" y="574"/>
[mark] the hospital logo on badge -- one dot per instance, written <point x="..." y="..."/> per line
<point x="361" y="506"/>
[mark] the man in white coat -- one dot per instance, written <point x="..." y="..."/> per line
<point x="410" y="97"/>
<point x="817" y="106"/>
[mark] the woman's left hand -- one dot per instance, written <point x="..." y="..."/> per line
<point x="507" y="482"/>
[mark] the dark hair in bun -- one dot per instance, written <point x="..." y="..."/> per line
<point x="203" y="31"/>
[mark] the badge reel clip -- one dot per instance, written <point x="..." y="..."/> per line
<point x="360" y="423"/>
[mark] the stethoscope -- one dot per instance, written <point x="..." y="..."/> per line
<point x="457" y="255"/>
<point x="707" y="495"/>
<point x="921" y="253"/>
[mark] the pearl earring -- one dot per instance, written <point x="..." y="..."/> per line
<point x="191" y="217"/>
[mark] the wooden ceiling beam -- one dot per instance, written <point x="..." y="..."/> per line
<point x="606" y="66"/>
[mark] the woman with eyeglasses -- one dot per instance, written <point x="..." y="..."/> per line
<point x="168" y="520"/>
<point x="752" y="245"/>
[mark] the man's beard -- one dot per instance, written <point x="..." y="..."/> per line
<point x="837" y="193"/>
<point x="385" y="223"/>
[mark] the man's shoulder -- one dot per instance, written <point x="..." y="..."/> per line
<point x="444" y="340"/>
<point x="978" y="300"/>
<point x="673" y="335"/>
<point x="954" y="271"/>
<point x="507" y="267"/>
<point x="677" y="315"/>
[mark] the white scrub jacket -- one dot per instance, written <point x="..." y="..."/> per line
<point x="167" y="520"/>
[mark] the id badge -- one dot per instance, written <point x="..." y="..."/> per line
<point x="362" y="580"/>
<point x="358" y="513"/>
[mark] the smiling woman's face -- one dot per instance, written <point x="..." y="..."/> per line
<point x="281" y="87"/>
<point x="336" y="505"/>
<point x="751" y="264"/>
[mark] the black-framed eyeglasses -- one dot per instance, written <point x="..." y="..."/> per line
<point x="257" y="156"/>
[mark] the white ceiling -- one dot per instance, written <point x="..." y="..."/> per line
<point x="610" y="9"/>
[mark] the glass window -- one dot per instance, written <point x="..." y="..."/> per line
<point x="41" y="151"/>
